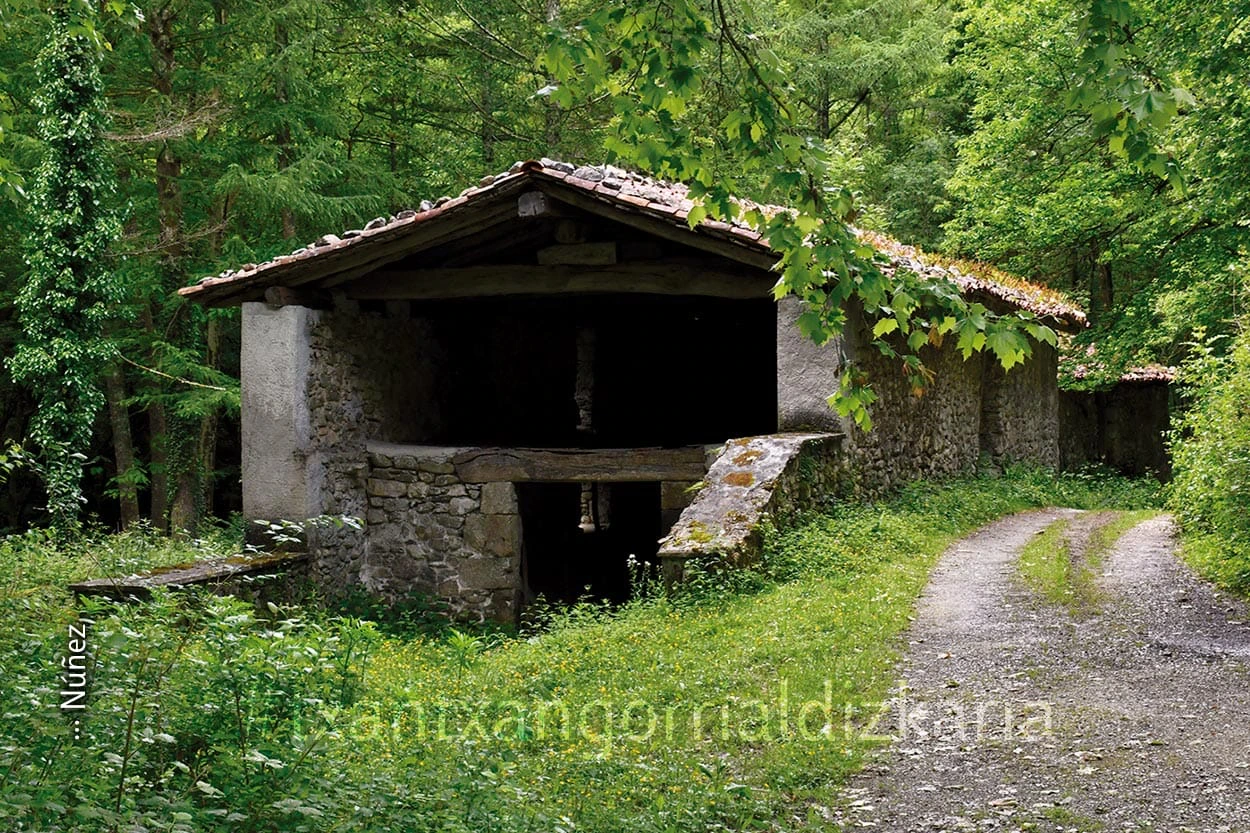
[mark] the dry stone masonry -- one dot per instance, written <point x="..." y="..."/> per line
<point x="430" y="529"/>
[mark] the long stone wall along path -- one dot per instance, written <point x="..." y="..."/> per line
<point x="1020" y="715"/>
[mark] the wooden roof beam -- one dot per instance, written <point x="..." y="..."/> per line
<point x="642" y="277"/>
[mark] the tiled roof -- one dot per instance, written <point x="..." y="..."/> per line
<point x="1083" y="365"/>
<point x="1149" y="373"/>
<point x="632" y="192"/>
<point x="1133" y="375"/>
<point x="973" y="277"/>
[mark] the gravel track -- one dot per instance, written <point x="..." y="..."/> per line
<point x="1016" y="714"/>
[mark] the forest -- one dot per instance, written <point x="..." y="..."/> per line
<point x="1095" y="148"/>
<point x="1100" y="148"/>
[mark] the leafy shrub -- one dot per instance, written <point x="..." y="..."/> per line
<point x="1210" y="492"/>
<point x="201" y="716"/>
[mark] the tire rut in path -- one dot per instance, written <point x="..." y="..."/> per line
<point x="1017" y="715"/>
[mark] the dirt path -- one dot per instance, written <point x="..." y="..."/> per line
<point x="1019" y="715"/>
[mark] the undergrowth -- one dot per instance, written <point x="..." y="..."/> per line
<point x="1045" y="564"/>
<point x="1210" y="494"/>
<point x="740" y="703"/>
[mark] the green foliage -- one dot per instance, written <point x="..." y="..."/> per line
<point x="653" y="62"/>
<point x="69" y="294"/>
<point x="1210" y="492"/>
<point x="205" y="715"/>
<point x="1057" y="175"/>
<point x="1115" y="86"/>
<point x="202" y="716"/>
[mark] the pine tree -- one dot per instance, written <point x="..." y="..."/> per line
<point x="69" y="294"/>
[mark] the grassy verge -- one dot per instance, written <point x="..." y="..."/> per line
<point x="1048" y="565"/>
<point x="742" y="703"/>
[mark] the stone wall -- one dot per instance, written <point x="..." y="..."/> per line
<point x="429" y="531"/>
<point x="320" y="386"/>
<point x="970" y="407"/>
<point x="931" y="434"/>
<point x="1124" y="427"/>
<point x="1078" y="429"/>
<point x="371" y="377"/>
<point x="1020" y="409"/>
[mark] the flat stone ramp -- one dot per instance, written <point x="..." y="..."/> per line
<point x="1016" y="714"/>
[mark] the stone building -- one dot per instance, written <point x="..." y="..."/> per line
<point x="517" y="388"/>
<point x="1123" y="425"/>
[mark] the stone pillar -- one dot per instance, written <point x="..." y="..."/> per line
<point x="274" y="368"/>
<point x="807" y="374"/>
<point x="496" y="536"/>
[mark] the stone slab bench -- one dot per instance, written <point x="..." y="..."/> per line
<point x="210" y="572"/>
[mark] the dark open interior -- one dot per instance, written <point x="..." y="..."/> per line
<point x="664" y="371"/>
<point x="565" y="560"/>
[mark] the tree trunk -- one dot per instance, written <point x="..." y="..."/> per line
<point x="282" y="136"/>
<point x="551" y="131"/>
<point x="123" y="444"/>
<point x="1101" y="290"/>
<point x="158" y="444"/>
<point x="168" y="165"/>
<point x="169" y="210"/>
<point x="183" y="518"/>
<point x="486" y="112"/>
<point x="207" y="449"/>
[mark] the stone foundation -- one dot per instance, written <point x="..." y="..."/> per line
<point x="430" y="531"/>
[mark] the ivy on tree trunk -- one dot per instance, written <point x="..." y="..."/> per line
<point x="69" y="294"/>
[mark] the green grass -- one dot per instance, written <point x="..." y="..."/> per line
<point x="1046" y="564"/>
<point x="740" y="703"/>
<point x="1106" y="536"/>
